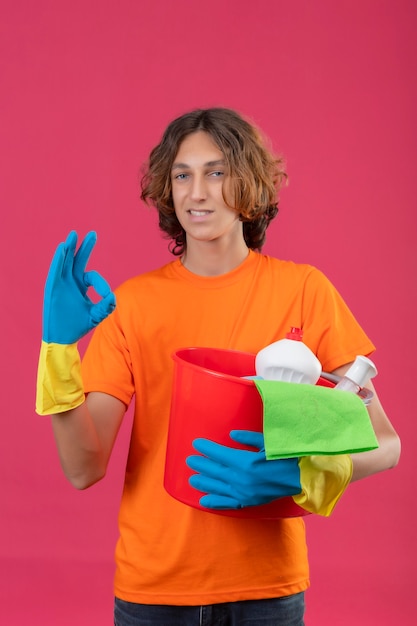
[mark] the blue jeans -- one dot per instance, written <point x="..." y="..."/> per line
<point x="286" y="611"/>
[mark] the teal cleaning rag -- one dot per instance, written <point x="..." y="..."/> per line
<point x="301" y="420"/>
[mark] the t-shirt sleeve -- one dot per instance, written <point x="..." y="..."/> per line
<point x="330" y="328"/>
<point x="106" y="365"/>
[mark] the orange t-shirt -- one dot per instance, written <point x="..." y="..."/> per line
<point x="168" y="552"/>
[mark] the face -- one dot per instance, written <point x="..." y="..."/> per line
<point x="199" y="176"/>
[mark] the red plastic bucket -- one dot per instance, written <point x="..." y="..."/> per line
<point x="209" y="400"/>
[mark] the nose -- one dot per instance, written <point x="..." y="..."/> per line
<point x="198" y="190"/>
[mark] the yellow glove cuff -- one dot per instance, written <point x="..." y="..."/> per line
<point x="59" y="385"/>
<point x="323" y="481"/>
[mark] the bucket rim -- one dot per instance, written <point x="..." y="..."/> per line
<point x="177" y="359"/>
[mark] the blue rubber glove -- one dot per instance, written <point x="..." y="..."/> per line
<point x="68" y="312"/>
<point x="234" y="478"/>
<point x="68" y="315"/>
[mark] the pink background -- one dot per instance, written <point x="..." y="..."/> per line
<point x="86" y="90"/>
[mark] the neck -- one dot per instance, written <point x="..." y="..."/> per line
<point x="209" y="258"/>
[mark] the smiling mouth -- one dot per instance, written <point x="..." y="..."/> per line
<point x="199" y="213"/>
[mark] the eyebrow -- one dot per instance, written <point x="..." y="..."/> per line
<point x="182" y="166"/>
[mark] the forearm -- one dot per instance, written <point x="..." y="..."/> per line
<point x="387" y="455"/>
<point x="80" y="451"/>
<point x="85" y="437"/>
<point x="383" y="458"/>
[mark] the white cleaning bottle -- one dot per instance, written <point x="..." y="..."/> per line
<point x="361" y="370"/>
<point x="288" y="360"/>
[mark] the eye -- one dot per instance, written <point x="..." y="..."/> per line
<point x="216" y="174"/>
<point x="181" y="176"/>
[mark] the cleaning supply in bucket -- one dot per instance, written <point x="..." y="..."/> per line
<point x="361" y="370"/>
<point x="289" y="360"/>
<point x="310" y="419"/>
<point x="303" y="420"/>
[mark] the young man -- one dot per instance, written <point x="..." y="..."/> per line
<point x="215" y="187"/>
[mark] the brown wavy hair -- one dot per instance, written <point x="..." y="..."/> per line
<point x="256" y="175"/>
